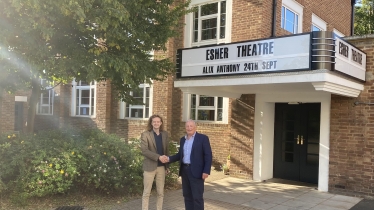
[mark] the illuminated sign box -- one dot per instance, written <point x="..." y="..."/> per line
<point x="349" y="60"/>
<point x="268" y="55"/>
<point x="309" y="51"/>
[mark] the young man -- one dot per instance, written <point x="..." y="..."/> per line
<point x="154" y="145"/>
<point x="195" y="158"/>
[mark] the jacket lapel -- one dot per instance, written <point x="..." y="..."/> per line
<point x="181" y="147"/>
<point x="195" y="142"/>
<point x="151" y="135"/>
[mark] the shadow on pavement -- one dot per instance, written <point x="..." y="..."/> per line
<point x="364" y="205"/>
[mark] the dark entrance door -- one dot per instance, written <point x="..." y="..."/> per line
<point x="296" y="141"/>
<point x="18" y="116"/>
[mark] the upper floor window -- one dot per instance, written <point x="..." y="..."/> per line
<point x="318" y="24"/>
<point x="209" y="24"/>
<point x="45" y="102"/>
<point x="316" y="28"/>
<point x="289" y="20"/>
<point x="291" y="16"/>
<point x="83" y="98"/>
<point x="206" y="108"/>
<point x="142" y="108"/>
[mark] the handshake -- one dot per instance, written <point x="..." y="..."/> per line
<point x="164" y="159"/>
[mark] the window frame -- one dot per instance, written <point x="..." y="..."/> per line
<point x="318" y="23"/>
<point x="48" y="89"/>
<point x="314" y="26"/>
<point x="77" y="86"/>
<point x="187" y="109"/>
<point x="338" y="33"/>
<point x="297" y="9"/>
<point x="123" y="109"/>
<point x="189" y="26"/>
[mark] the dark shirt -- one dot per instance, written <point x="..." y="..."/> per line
<point x="159" y="146"/>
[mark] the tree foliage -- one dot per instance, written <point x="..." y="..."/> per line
<point x="364" y="17"/>
<point x="87" y="40"/>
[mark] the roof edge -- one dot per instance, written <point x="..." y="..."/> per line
<point x="358" y="37"/>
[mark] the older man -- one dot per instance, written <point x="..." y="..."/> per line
<point x="195" y="158"/>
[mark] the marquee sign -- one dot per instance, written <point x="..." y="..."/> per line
<point x="309" y="51"/>
<point x="268" y="55"/>
<point x="349" y="60"/>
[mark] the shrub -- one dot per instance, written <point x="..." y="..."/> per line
<point x="172" y="177"/>
<point x="49" y="175"/>
<point x="52" y="162"/>
<point x="109" y="164"/>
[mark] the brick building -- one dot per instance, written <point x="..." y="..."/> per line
<point x="281" y="100"/>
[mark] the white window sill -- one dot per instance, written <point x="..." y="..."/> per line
<point x="209" y="122"/>
<point x="133" y="118"/>
<point x="84" y="116"/>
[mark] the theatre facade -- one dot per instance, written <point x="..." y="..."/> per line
<point x="299" y="95"/>
<point x="292" y="80"/>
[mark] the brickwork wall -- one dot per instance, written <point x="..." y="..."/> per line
<point x="177" y="129"/>
<point x="128" y="129"/>
<point x="241" y="138"/>
<point x="7" y="115"/>
<point x="7" y="118"/>
<point x="103" y="108"/>
<point x="336" y="13"/>
<point x="251" y="20"/>
<point x="352" y="137"/>
<point x="103" y="105"/>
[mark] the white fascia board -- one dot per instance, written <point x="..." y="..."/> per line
<point x="321" y="81"/>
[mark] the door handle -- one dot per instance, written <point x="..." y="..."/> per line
<point x="302" y="140"/>
<point x="298" y="139"/>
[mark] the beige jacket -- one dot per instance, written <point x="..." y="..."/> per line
<point x="149" y="150"/>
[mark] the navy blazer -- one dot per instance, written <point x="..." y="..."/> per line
<point x="201" y="155"/>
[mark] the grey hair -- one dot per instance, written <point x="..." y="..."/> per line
<point x="193" y="121"/>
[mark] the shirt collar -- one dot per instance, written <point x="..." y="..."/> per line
<point x="193" y="135"/>
<point x="156" y="133"/>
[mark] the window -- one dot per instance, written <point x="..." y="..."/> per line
<point x="84" y="98"/>
<point x="45" y="102"/>
<point x="142" y="108"/>
<point x="291" y="16"/>
<point x="206" y="108"/>
<point x="315" y="28"/>
<point x="289" y="20"/>
<point x="318" y="24"/>
<point x="209" y="24"/>
<point x="210" y="21"/>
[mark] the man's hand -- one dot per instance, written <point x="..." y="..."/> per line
<point x="205" y="176"/>
<point x="163" y="159"/>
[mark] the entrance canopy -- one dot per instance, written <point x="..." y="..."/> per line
<point x="309" y="62"/>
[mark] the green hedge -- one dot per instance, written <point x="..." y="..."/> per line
<point x="56" y="161"/>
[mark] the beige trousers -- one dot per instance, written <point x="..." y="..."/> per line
<point x="149" y="176"/>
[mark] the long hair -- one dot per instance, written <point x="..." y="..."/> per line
<point x="149" y="124"/>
